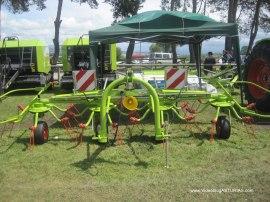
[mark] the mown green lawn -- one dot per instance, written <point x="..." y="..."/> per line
<point x="136" y="170"/>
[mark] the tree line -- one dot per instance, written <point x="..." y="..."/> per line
<point x="251" y="15"/>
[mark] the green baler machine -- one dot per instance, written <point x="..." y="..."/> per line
<point x="76" y="56"/>
<point x="23" y="62"/>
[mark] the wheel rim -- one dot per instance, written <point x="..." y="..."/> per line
<point x="45" y="133"/>
<point x="258" y="73"/>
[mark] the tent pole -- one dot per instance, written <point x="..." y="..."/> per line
<point x="200" y="58"/>
<point x="197" y="52"/>
<point x="93" y="56"/>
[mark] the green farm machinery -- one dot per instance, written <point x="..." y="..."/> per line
<point x="257" y="70"/>
<point x="76" y="56"/>
<point x="126" y="101"/>
<point x="135" y="98"/>
<point x="23" y="62"/>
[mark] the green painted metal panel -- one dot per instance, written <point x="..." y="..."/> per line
<point x="43" y="59"/>
<point x="113" y="57"/>
<point x="42" y="52"/>
<point x="66" y="65"/>
<point x="69" y="43"/>
<point x="72" y="42"/>
<point x="93" y="56"/>
<point x="76" y="42"/>
<point x="21" y="43"/>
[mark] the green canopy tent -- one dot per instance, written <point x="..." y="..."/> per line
<point x="167" y="26"/>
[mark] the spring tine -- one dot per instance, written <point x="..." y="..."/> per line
<point x="76" y="109"/>
<point x="10" y="131"/>
<point x="3" y="129"/>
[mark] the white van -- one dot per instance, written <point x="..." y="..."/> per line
<point x="157" y="57"/>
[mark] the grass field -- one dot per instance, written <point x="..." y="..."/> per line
<point x="61" y="170"/>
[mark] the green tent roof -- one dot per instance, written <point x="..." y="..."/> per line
<point x="164" y="26"/>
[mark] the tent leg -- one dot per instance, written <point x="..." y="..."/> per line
<point x="197" y="51"/>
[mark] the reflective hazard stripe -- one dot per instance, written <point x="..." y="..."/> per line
<point x="84" y="80"/>
<point x="175" y="78"/>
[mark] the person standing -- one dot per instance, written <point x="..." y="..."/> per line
<point x="224" y="56"/>
<point x="208" y="63"/>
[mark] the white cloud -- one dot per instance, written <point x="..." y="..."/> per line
<point x="68" y="22"/>
<point x="95" y="18"/>
<point x="25" y="24"/>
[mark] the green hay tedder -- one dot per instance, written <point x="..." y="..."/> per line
<point x="133" y="97"/>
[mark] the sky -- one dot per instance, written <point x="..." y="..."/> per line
<point x="79" y="19"/>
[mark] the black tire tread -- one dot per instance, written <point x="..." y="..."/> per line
<point x="261" y="50"/>
<point x="38" y="134"/>
<point x="223" y="128"/>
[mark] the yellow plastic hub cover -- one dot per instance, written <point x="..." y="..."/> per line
<point x="130" y="103"/>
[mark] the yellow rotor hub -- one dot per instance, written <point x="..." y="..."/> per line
<point x="130" y="103"/>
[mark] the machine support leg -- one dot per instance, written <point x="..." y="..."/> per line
<point x="214" y="122"/>
<point x="36" y="119"/>
<point x="162" y="117"/>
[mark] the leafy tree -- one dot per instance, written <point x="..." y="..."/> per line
<point x="259" y="17"/>
<point x="244" y="50"/>
<point x="173" y="5"/>
<point x="233" y="4"/>
<point x="227" y="9"/>
<point x="155" y="47"/>
<point x="57" y="24"/>
<point x="19" y="6"/>
<point x="123" y="9"/>
<point x="256" y="15"/>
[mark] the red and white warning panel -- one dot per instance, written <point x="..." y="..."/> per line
<point x="84" y="80"/>
<point x="175" y="78"/>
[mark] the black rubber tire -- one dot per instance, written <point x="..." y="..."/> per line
<point x="223" y="128"/>
<point x="260" y="51"/>
<point x="39" y="134"/>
